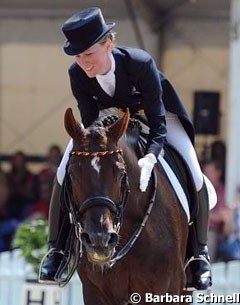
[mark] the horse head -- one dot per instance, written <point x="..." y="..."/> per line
<point x="96" y="175"/>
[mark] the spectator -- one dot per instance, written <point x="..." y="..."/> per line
<point x="220" y="215"/>
<point x="23" y="185"/>
<point x="41" y="206"/>
<point x="45" y="181"/>
<point x="218" y="153"/>
<point x="4" y="195"/>
<point x="8" y="224"/>
<point x="218" y="150"/>
<point x="229" y="248"/>
<point x="54" y="157"/>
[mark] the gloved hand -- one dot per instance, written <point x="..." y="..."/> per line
<point x="146" y="164"/>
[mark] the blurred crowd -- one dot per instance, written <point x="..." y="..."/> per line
<point x="24" y="193"/>
<point x="224" y="227"/>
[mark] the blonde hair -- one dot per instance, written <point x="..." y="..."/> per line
<point x="110" y="35"/>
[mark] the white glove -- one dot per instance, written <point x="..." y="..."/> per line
<point x="146" y="164"/>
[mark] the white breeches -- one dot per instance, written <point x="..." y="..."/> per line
<point x="176" y="136"/>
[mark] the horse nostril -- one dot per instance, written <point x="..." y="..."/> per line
<point x="113" y="239"/>
<point x="86" y="239"/>
<point x="99" y="239"/>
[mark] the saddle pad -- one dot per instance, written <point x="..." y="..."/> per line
<point x="212" y="196"/>
<point x="180" y="192"/>
<point x="176" y="186"/>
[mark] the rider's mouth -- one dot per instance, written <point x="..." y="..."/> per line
<point x="88" y="69"/>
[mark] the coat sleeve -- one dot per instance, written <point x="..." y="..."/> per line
<point x="151" y="89"/>
<point x="87" y="106"/>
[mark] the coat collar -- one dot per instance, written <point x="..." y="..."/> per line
<point x="123" y="81"/>
<point x="121" y="73"/>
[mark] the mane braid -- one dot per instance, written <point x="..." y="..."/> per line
<point x="108" y="120"/>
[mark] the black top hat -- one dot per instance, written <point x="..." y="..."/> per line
<point x="84" y="29"/>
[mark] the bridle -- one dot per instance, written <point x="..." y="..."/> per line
<point x="116" y="208"/>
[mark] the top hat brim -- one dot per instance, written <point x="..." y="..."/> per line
<point x="72" y="50"/>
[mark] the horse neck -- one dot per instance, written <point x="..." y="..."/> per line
<point x="137" y="201"/>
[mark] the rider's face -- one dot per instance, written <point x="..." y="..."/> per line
<point x="96" y="59"/>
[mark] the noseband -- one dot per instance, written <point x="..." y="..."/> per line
<point x="115" y="208"/>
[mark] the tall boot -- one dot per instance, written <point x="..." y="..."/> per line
<point x="201" y="278"/>
<point x="52" y="260"/>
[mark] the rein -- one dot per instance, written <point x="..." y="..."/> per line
<point x="116" y="209"/>
<point x="137" y="233"/>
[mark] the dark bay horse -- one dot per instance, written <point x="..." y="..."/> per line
<point x="117" y="260"/>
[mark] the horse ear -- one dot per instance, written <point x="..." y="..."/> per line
<point x="118" y="128"/>
<point x="72" y="127"/>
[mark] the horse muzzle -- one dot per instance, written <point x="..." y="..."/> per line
<point x="97" y="256"/>
<point x="100" y="247"/>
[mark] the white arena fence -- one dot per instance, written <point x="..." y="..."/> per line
<point x="16" y="290"/>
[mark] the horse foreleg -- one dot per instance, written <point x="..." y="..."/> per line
<point x="93" y="295"/>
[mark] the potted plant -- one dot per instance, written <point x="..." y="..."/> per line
<point x="31" y="238"/>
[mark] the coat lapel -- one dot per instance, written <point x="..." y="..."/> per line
<point x="123" y="81"/>
<point x="124" y="89"/>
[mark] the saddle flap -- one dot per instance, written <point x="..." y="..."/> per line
<point x="184" y="176"/>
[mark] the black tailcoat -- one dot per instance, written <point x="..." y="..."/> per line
<point x="139" y="85"/>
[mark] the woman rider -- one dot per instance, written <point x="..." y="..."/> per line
<point x="104" y="76"/>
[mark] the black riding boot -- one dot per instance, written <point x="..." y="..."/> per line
<point x="51" y="261"/>
<point x="199" y="265"/>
